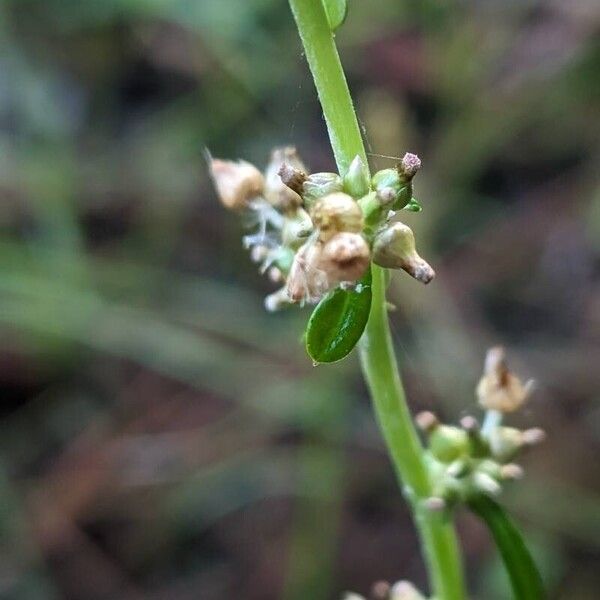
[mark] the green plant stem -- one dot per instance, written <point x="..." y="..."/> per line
<point x="378" y="361"/>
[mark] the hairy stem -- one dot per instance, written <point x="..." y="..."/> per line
<point x="378" y="361"/>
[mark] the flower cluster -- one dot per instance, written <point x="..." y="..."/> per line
<point x="317" y="231"/>
<point x="472" y="459"/>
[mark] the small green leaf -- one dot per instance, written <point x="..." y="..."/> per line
<point x="336" y="12"/>
<point x="338" y="322"/>
<point x="414" y="205"/>
<point x="524" y="577"/>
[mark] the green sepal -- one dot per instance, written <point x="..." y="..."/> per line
<point x="336" y="11"/>
<point x="356" y="180"/>
<point x="413" y="205"/>
<point x="338" y="322"/>
<point x="525" y="578"/>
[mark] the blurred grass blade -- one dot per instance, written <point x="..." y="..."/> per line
<point x="338" y="322"/>
<point x="336" y="12"/>
<point x="524" y="576"/>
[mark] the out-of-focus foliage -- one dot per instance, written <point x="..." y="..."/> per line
<point x="162" y="437"/>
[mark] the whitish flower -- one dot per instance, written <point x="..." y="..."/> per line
<point x="499" y="389"/>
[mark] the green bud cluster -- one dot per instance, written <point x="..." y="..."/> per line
<point x="467" y="460"/>
<point x="317" y="231"/>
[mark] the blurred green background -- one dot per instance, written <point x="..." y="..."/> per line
<point x="162" y="437"/>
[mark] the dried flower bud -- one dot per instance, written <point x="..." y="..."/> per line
<point x="511" y="471"/>
<point x="356" y="180"/>
<point x="237" y="183"/>
<point x="405" y="590"/>
<point x="277" y="193"/>
<point x="394" y="248"/>
<point x="426" y="421"/>
<point x="499" y="389"/>
<point x="319" y="185"/>
<point x="533" y="436"/>
<point x="345" y="257"/>
<point x="335" y="213"/>
<point x="292" y="177"/>
<point x="306" y="281"/>
<point x="380" y="590"/>
<point x="296" y="228"/>
<point x="408" y="166"/>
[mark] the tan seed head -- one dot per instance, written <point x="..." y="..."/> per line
<point x="335" y="213"/>
<point x="345" y="257"/>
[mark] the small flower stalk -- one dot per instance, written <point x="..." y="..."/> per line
<point x="318" y="231"/>
<point x="472" y="459"/>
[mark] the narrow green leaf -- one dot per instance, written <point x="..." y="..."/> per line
<point x="336" y="12"/>
<point x="524" y="577"/>
<point x="338" y="322"/>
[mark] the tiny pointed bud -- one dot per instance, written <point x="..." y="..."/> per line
<point x="426" y="421"/>
<point x="237" y="182"/>
<point x="356" y="180"/>
<point x="277" y="300"/>
<point x="499" y="389"/>
<point x="408" y="167"/>
<point x="277" y="193"/>
<point x="486" y="484"/>
<point x="380" y="590"/>
<point x="292" y="177"/>
<point x="345" y="257"/>
<point x="435" y="504"/>
<point x="469" y="423"/>
<point x="258" y="253"/>
<point x="275" y="275"/>
<point x="405" y="590"/>
<point x="511" y="471"/>
<point x="319" y="185"/>
<point x="335" y="213"/>
<point x="533" y="436"/>
<point x="394" y="248"/>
